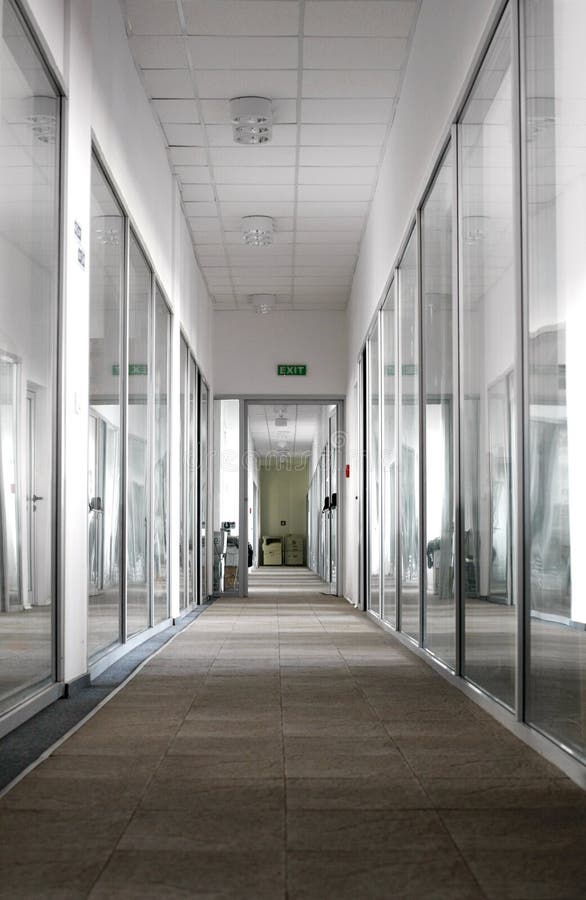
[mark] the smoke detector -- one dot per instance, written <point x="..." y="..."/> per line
<point x="263" y="303"/>
<point x="257" y="231"/>
<point x="252" y="120"/>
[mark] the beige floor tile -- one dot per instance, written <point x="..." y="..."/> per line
<point x="349" y="876"/>
<point x="403" y="792"/>
<point x="176" y="785"/>
<point x="399" y="831"/>
<point x="205" y="875"/>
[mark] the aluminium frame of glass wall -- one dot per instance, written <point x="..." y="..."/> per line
<point x="194" y="473"/>
<point x="512" y="710"/>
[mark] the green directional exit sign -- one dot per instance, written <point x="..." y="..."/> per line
<point x="292" y="369"/>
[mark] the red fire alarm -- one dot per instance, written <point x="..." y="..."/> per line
<point x="347" y="470"/>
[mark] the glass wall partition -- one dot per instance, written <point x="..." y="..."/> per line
<point x="409" y="440"/>
<point x="556" y="322"/>
<point x="161" y="458"/>
<point x="488" y="360"/>
<point x="29" y="267"/>
<point x="204" y="403"/>
<point x="389" y="457"/>
<point x="373" y="519"/>
<point x="137" y="490"/>
<point x="439" y="411"/>
<point x="105" y="416"/>
<point x="183" y="377"/>
<point x="192" y="483"/>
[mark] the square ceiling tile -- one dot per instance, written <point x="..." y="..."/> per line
<point x="184" y="135"/>
<point x="254" y="193"/>
<point x="176" y="111"/>
<point x="209" y="225"/>
<point x="325" y="193"/>
<point x="257" y="208"/>
<point x="254" y="175"/>
<point x="205" y="238"/>
<point x="153" y="16"/>
<point x="197" y="193"/>
<point x="193" y="174"/>
<point x="365" y="110"/>
<point x="345" y="84"/>
<point x="370" y="18"/>
<point x="244" y="53"/>
<point x="255" y="17"/>
<point x="168" y="83"/>
<point x="217" y="112"/>
<point x="339" y="156"/>
<point x="328" y="225"/>
<point x="252" y="156"/>
<point x="221" y="85"/>
<point x="187" y="156"/>
<point x="357" y="53"/>
<point x="345" y="175"/>
<point x="199" y="210"/>
<point x="158" y="52"/>
<point x="342" y="135"/>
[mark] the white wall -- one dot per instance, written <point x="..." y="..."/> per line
<point x="248" y="346"/>
<point x="447" y="37"/>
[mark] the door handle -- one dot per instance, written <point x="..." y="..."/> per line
<point x="35" y="497"/>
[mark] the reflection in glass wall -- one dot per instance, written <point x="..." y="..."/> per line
<point x="161" y="460"/>
<point x="183" y="375"/>
<point x="192" y="484"/>
<point x="137" y="497"/>
<point x="409" y="441"/>
<point x="373" y="445"/>
<point x="203" y="487"/>
<point x="389" y="463"/>
<point x="104" y="445"/>
<point x="29" y="254"/>
<point x="226" y="495"/>
<point x="488" y="347"/>
<point x="556" y="240"/>
<point x="437" y="325"/>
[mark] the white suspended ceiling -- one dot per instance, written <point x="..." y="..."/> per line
<point x="333" y="70"/>
<point x="284" y="431"/>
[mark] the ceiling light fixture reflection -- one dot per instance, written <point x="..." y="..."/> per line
<point x="107" y="230"/>
<point x="263" y="303"/>
<point x="281" y="422"/>
<point x="252" y="120"/>
<point x="257" y="231"/>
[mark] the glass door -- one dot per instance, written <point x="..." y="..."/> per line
<point x="333" y="512"/>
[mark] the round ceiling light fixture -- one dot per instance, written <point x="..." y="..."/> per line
<point x="252" y="120"/>
<point x="263" y="303"/>
<point x="257" y="231"/>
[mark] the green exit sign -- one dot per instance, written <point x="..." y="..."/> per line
<point x="292" y="369"/>
<point x="133" y="369"/>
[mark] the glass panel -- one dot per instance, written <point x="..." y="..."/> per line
<point x="373" y="520"/>
<point x="438" y="320"/>
<point x="183" y="463"/>
<point x="203" y="486"/>
<point x="389" y="460"/>
<point x="409" y="438"/>
<point x="556" y="238"/>
<point x="192" y="484"/>
<point x="104" y="466"/>
<point x="334" y="443"/>
<point x="29" y="255"/>
<point x="488" y="361"/>
<point x="227" y="494"/>
<point x="161" y="460"/>
<point x="137" y="506"/>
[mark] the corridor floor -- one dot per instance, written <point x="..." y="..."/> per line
<point x="285" y="747"/>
